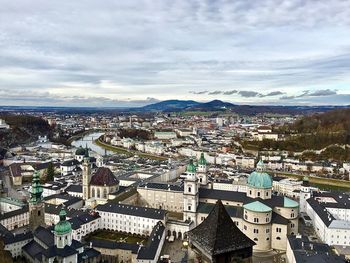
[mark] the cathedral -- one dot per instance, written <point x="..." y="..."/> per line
<point x="97" y="185"/>
<point x="265" y="218"/>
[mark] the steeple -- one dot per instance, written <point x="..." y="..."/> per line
<point x="63" y="231"/>
<point x="202" y="170"/>
<point x="36" y="206"/>
<point x="37" y="189"/>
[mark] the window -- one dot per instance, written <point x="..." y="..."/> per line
<point x="250" y="192"/>
<point x="267" y="230"/>
<point x="267" y="219"/>
<point x="39" y="213"/>
<point x="267" y="193"/>
<point x="278" y="238"/>
<point x="292" y="225"/>
<point x="292" y="215"/>
<point x="258" y="193"/>
<point x="189" y="189"/>
<point x="256" y="231"/>
<point x="245" y="227"/>
<point x="256" y="220"/>
<point x="189" y="208"/>
<point x="278" y="230"/>
<point x="246" y="217"/>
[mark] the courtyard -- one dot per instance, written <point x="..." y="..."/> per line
<point x="117" y="236"/>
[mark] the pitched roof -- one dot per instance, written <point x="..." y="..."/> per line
<point x="218" y="234"/>
<point x="104" y="176"/>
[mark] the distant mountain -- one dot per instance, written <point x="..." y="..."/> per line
<point x="170" y="105"/>
<point x="218" y="105"/>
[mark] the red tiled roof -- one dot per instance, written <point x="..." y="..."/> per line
<point x="104" y="177"/>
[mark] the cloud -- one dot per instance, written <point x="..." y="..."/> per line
<point x="138" y="49"/>
<point x="248" y="94"/>
<point x="230" y="92"/>
<point x="199" y="92"/>
<point x="308" y="93"/>
<point x="272" y="94"/>
<point x="215" y="92"/>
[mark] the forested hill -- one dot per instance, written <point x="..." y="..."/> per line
<point x="329" y="132"/>
<point x="332" y="121"/>
<point x="24" y="128"/>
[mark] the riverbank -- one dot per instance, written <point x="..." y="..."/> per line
<point x="80" y="135"/>
<point x="125" y="151"/>
<point x="325" y="183"/>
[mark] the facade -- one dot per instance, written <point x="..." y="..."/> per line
<point x="98" y="186"/>
<point x="265" y="218"/>
<point x="330" y="215"/>
<point x="130" y="219"/>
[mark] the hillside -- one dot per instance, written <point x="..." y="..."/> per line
<point x="329" y="132"/>
<point x="218" y="105"/>
<point x="24" y="128"/>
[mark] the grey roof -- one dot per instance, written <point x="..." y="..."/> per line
<point x="99" y="243"/>
<point x="278" y="219"/>
<point x="75" y="188"/>
<point x="233" y="211"/>
<point x="149" y="251"/>
<point x="321" y="211"/>
<point x="163" y="186"/>
<point x="87" y="254"/>
<point x="80" y="220"/>
<point x="218" y="234"/>
<point x="311" y="252"/>
<point x="10" y="239"/>
<point x="60" y="252"/>
<point x="33" y="249"/>
<point x="73" y="162"/>
<point x="132" y="210"/>
<point x="44" y="235"/>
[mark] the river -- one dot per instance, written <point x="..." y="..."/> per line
<point x="88" y="140"/>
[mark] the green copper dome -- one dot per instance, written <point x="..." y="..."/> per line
<point x="260" y="179"/>
<point x="202" y="160"/>
<point x="37" y="189"/>
<point x="80" y="151"/>
<point x="191" y="168"/>
<point x="62" y="227"/>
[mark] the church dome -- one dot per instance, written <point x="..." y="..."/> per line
<point x="191" y="168"/>
<point x="62" y="227"/>
<point x="260" y="179"/>
<point x="80" y="151"/>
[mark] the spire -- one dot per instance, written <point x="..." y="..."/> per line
<point x="86" y="152"/>
<point x="218" y="234"/>
<point x="37" y="189"/>
<point x="260" y="166"/>
<point x="202" y="160"/>
<point x="191" y="168"/>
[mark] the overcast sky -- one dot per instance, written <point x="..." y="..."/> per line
<point x="131" y="53"/>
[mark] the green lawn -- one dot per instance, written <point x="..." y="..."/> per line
<point x="117" y="236"/>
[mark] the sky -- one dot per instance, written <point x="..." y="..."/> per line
<point x="132" y="53"/>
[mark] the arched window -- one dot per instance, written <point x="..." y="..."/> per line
<point x="98" y="193"/>
<point x="93" y="192"/>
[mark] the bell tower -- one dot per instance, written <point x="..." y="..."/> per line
<point x="36" y="205"/>
<point x="202" y="170"/>
<point x="86" y="178"/>
<point x="191" y="196"/>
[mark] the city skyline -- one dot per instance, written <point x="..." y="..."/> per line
<point x="140" y="52"/>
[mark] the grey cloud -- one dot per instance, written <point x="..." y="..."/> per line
<point x="217" y="92"/>
<point x="308" y="93"/>
<point x="230" y="92"/>
<point x="198" y="92"/>
<point x="248" y="94"/>
<point x="272" y="94"/>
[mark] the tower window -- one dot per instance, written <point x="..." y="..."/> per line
<point x="189" y="189"/>
<point x="258" y="193"/>
<point x="39" y="213"/>
<point x="189" y="207"/>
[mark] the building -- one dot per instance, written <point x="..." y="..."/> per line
<point x="300" y="250"/>
<point x="330" y="215"/>
<point x="218" y="239"/>
<point x="36" y="205"/>
<point x="130" y="219"/>
<point x="3" y="125"/>
<point x="58" y="245"/>
<point x="97" y="186"/>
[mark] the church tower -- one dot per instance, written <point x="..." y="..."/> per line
<point x="191" y="197"/>
<point x="86" y="177"/>
<point x="63" y="231"/>
<point x="202" y="170"/>
<point x="36" y="205"/>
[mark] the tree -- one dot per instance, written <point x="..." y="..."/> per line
<point x="50" y="172"/>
